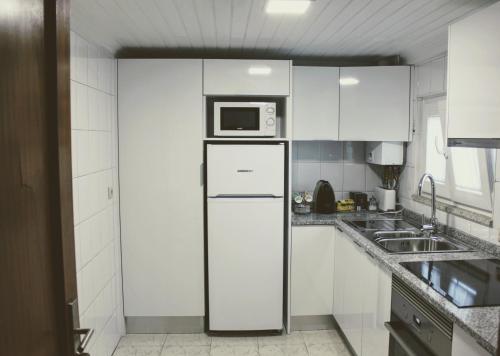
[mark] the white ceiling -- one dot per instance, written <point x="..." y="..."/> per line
<point x="414" y="29"/>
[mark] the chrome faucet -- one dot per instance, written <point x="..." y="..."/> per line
<point x="432" y="227"/>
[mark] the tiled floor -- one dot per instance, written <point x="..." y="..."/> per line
<point x="305" y="343"/>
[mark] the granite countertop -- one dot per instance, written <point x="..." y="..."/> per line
<point x="482" y="323"/>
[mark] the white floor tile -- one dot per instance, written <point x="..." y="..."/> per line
<point x="234" y="350"/>
<point x="143" y="340"/>
<point x="234" y="341"/>
<point x="188" y="339"/>
<point x="321" y="337"/>
<point x="176" y="350"/>
<point x="327" y="350"/>
<point x="137" y="351"/>
<point x="283" y="350"/>
<point x="295" y="338"/>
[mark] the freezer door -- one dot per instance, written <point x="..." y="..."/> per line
<point x="245" y="170"/>
<point x="245" y="264"/>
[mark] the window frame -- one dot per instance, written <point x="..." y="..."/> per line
<point x="449" y="191"/>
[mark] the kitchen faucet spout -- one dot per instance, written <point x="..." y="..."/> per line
<point x="432" y="227"/>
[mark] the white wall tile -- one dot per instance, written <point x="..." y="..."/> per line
<point x="373" y="177"/>
<point x="76" y="202"/>
<point x="331" y="151"/>
<point x="308" y="151"/>
<point x="92" y="66"/>
<point x="354" y="177"/>
<point x="354" y="151"/>
<point x="496" y="205"/>
<point x="95" y="160"/>
<point x="497" y="170"/>
<point x="308" y="175"/>
<point x="333" y="172"/>
<point x="79" y="106"/>
<point x="82" y="153"/>
<point x="74" y="152"/>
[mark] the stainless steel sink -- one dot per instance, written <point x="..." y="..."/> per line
<point x="419" y="244"/>
<point x="397" y="236"/>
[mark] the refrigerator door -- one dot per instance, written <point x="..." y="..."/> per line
<point x="245" y="263"/>
<point x="245" y="170"/>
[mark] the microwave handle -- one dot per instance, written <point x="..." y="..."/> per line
<point x="406" y="340"/>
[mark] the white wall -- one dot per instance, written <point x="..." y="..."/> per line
<point x="430" y="81"/>
<point x="341" y="163"/>
<point x="96" y="213"/>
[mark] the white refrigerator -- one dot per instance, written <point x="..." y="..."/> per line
<point x="245" y="236"/>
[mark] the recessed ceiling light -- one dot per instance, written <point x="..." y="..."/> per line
<point x="259" y="70"/>
<point x="348" y="81"/>
<point x="292" y="7"/>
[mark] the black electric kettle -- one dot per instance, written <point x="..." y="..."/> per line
<point x="324" y="198"/>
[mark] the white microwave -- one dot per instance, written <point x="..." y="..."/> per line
<point x="233" y="119"/>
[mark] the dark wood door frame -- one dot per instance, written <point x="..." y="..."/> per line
<point x="37" y="257"/>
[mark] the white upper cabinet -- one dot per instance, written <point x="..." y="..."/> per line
<point x="474" y="76"/>
<point x="375" y="103"/>
<point x="246" y="77"/>
<point x="315" y="103"/>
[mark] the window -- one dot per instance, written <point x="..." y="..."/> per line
<point x="462" y="174"/>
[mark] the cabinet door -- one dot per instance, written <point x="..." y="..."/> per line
<point x="376" y="308"/>
<point x="375" y="103"/>
<point x="312" y="270"/>
<point x="315" y="103"/>
<point x="474" y="76"/>
<point x="339" y="277"/>
<point x="353" y="295"/>
<point x="161" y="196"/>
<point x="464" y="345"/>
<point x="246" y="77"/>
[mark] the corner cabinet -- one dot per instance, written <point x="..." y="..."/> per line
<point x="362" y="297"/>
<point x="246" y="77"/>
<point x="161" y="152"/>
<point x="315" y="103"/>
<point x="474" y="76"/>
<point x="312" y="270"/>
<point x="375" y="103"/>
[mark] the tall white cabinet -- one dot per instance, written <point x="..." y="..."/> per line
<point x="315" y="103"/>
<point x="474" y="76"/>
<point x="375" y="103"/>
<point x="160" y="137"/>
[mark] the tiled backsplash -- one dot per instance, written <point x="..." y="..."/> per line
<point x="341" y="163"/>
<point x="95" y="193"/>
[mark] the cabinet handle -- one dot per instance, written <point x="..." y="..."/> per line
<point x="357" y="243"/>
<point x="338" y="228"/>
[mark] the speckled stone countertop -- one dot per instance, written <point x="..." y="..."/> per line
<point x="482" y="323"/>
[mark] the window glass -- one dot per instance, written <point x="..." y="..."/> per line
<point x="466" y="170"/>
<point x="435" y="159"/>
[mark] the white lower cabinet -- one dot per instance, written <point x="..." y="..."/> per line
<point x="312" y="270"/>
<point x="362" y="298"/>
<point x="464" y="345"/>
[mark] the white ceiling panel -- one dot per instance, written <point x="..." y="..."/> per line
<point x="414" y="29"/>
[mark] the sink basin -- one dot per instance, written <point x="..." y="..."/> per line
<point x="419" y="244"/>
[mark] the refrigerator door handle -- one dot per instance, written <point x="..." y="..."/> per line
<point x="271" y="196"/>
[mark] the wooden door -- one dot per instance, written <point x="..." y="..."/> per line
<point x="37" y="263"/>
